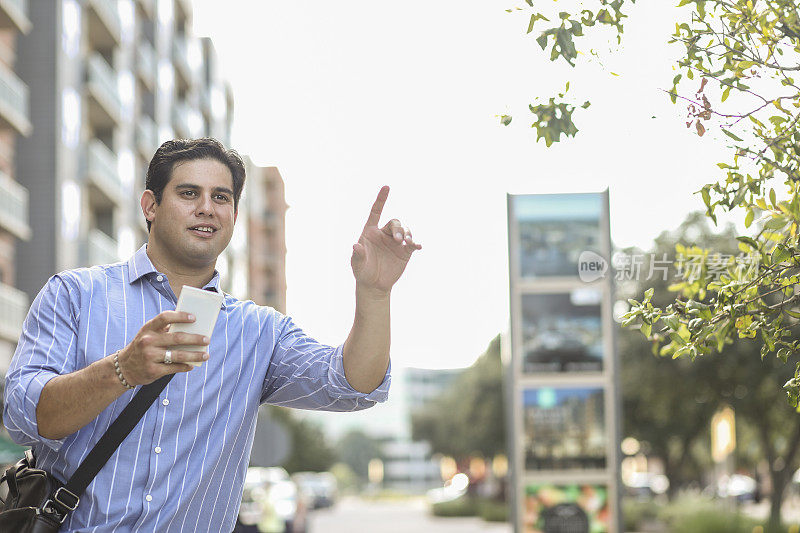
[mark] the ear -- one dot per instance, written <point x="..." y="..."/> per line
<point x="148" y="203"/>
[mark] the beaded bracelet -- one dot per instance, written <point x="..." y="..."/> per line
<point x="119" y="372"/>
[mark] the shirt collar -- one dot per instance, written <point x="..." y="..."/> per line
<point x="139" y="265"/>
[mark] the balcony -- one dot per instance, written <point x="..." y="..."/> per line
<point x="104" y="24"/>
<point x="146" y="63"/>
<point x="146" y="136"/>
<point x="104" y="102"/>
<point x="182" y="62"/>
<point x="14" y="207"/>
<point x="180" y="120"/>
<point x="13" y="102"/>
<point x="14" y="14"/>
<point x="13" y="308"/>
<point x="149" y="7"/>
<point x="103" y="174"/>
<point x="205" y="101"/>
<point x="101" y="249"/>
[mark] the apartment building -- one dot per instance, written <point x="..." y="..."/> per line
<point x="14" y="197"/>
<point x="110" y="81"/>
<point x="266" y="225"/>
<point x="99" y="84"/>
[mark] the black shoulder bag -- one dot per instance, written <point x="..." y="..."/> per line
<point x="34" y="501"/>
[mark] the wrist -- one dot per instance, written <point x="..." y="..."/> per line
<point x="118" y="374"/>
<point x="371" y="293"/>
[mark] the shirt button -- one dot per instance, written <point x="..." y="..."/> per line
<point x="148" y="498"/>
<point x="165" y="401"/>
<point x="158" y="449"/>
<point x="159" y="278"/>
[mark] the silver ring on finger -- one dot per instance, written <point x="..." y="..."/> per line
<point x="168" y="357"/>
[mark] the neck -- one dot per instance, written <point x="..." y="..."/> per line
<point x="179" y="275"/>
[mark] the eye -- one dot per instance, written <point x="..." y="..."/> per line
<point x="188" y="192"/>
<point x="223" y="197"/>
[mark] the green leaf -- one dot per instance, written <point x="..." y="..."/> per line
<point x="706" y="196"/>
<point x="677" y="338"/>
<point x="725" y="93"/>
<point x="747" y="240"/>
<point x="776" y="223"/>
<point x="772" y="196"/>
<point x="748" y="219"/>
<point x="731" y="135"/>
<point x="542" y="40"/>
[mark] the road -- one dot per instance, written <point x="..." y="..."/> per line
<point x="393" y="516"/>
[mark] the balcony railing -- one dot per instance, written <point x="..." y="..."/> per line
<point x="103" y="170"/>
<point x="180" y="119"/>
<point x="14" y="14"/>
<point x="14" y="207"/>
<point x="102" y="249"/>
<point x="180" y="56"/>
<point x="109" y="15"/>
<point x="14" y="101"/>
<point x="149" y="7"/>
<point x="146" y="136"/>
<point x="103" y="79"/>
<point x="145" y="57"/>
<point x="13" y="308"/>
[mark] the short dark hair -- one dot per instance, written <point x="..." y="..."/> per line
<point x="179" y="150"/>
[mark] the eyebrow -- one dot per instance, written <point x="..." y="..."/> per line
<point x="197" y="188"/>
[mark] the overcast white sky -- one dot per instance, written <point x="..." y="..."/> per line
<point x="345" y="97"/>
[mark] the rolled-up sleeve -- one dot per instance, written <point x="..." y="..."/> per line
<point x="46" y="349"/>
<point x="307" y="374"/>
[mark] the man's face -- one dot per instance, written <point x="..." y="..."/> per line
<point x="198" y="196"/>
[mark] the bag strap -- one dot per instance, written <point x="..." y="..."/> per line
<point x="109" y="442"/>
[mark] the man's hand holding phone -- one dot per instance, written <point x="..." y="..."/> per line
<point x="144" y="360"/>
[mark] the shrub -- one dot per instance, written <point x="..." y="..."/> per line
<point x="714" y="521"/>
<point x="463" y="506"/>
<point x="493" y="511"/>
<point x="637" y="513"/>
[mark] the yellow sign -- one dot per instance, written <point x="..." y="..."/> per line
<point x="723" y="434"/>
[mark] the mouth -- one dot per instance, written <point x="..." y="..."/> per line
<point x="205" y="232"/>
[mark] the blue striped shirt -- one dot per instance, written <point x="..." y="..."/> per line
<point x="182" y="467"/>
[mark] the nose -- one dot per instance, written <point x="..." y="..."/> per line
<point x="206" y="205"/>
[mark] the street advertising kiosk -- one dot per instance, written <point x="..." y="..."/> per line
<point x="561" y="368"/>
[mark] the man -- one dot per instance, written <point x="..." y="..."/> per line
<point x="94" y="334"/>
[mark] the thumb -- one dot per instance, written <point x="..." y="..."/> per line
<point x="359" y="255"/>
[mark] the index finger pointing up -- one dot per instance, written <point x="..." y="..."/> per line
<point x="377" y="207"/>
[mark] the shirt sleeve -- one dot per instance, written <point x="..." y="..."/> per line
<point x="306" y="374"/>
<point x="46" y="349"/>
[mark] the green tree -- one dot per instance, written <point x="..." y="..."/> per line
<point x="736" y="75"/>
<point x="468" y="418"/>
<point x="356" y="449"/>
<point x="309" y="449"/>
<point x="669" y="403"/>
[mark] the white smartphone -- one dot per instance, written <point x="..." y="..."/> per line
<point x="204" y="305"/>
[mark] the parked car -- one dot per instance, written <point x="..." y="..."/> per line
<point x="270" y="503"/>
<point x="453" y="489"/>
<point x="738" y="486"/>
<point x="319" y="488"/>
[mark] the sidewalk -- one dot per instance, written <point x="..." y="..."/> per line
<point x="396" y="516"/>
